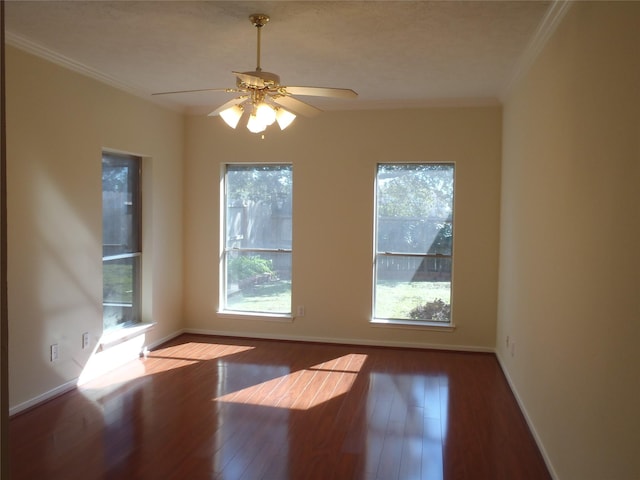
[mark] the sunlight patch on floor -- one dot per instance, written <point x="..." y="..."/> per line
<point x="157" y="362"/>
<point x="302" y="389"/>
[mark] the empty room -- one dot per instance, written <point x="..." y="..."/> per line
<point x="314" y="240"/>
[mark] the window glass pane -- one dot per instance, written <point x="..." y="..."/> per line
<point x="259" y="206"/>
<point x="259" y="282"/>
<point x="414" y="242"/>
<point x="257" y="250"/>
<point x="413" y="288"/>
<point x="120" y="289"/>
<point x="120" y="206"/>
<point x="415" y="208"/>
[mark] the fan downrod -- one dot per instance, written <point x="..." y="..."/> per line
<point x="258" y="20"/>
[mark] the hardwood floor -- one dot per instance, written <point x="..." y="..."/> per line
<point x="205" y="407"/>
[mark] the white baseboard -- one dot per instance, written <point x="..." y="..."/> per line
<point x="73" y="383"/>
<point x="169" y="337"/>
<point x="530" y="424"/>
<point x="33" y="402"/>
<point x="342" y="341"/>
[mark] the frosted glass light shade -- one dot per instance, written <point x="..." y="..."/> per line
<point x="266" y="114"/>
<point x="255" y="125"/>
<point x="231" y="116"/>
<point x="284" y="118"/>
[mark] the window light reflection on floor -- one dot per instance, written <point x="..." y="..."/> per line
<point x="302" y="389"/>
<point x="98" y="376"/>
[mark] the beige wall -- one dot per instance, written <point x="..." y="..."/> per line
<point x="334" y="160"/>
<point x="569" y="260"/>
<point x="58" y="122"/>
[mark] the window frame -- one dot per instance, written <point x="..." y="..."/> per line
<point x="405" y="322"/>
<point x="223" y="308"/>
<point x="134" y="183"/>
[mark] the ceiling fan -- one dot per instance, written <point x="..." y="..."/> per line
<point x="264" y="98"/>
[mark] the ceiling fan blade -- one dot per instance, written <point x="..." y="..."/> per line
<point x="230" y="103"/>
<point x="250" y="80"/>
<point x="296" y="106"/>
<point x="322" y="92"/>
<point x="228" y="90"/>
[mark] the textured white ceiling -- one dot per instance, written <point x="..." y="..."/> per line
<point x="393" y="53"/>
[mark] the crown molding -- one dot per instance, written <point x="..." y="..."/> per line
<point x="66" y="62"/>
<point x="554" y="16"/>
<point x="52" y="56"/>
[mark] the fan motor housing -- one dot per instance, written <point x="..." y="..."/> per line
<point x="270" y="80"/>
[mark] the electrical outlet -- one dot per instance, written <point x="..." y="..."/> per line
<point x="300" y="311"/>
<point x="54" y="352"/>
<point x="85" y="340"/>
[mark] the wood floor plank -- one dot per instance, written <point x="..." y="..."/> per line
<point x="203" y="407"/>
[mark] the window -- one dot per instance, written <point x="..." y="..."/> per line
<point x="413" y="243"/>
<point x="256" y="251"/>
<point x="121" y="240"/>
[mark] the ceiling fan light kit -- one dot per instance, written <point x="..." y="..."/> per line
<point x="262" y="96"/>
<point x="284" y="118"/>
<point x="232" y="115"/>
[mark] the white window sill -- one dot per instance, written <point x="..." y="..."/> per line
<point x="123" y="334"/>
<point x="265" y="317"/>
<point x="413" y="325"/>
